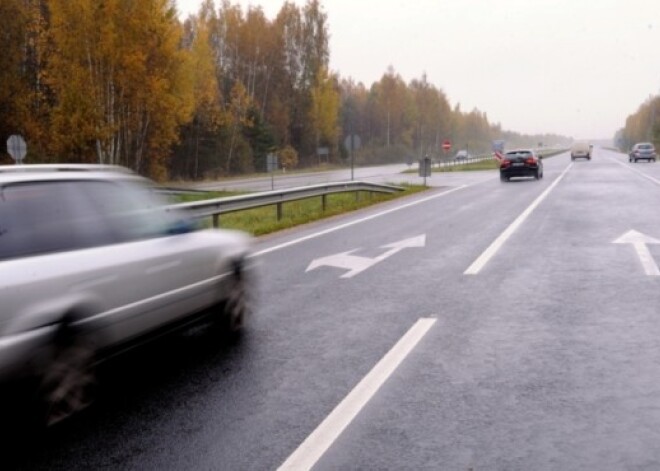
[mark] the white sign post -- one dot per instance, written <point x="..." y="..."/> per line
<point x="17" y="148"/>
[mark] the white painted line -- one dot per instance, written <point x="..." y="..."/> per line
<point x="650" y="267"/>
<point x="497" y="244"/>
<point x="358" y="221"/>
<point x="640" y="242"/>
<point x="316" y="444"/>
<point x="654" y="180"/>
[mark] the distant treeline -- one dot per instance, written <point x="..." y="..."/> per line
<point x="126" y="82"/>
<point x="642" y="126"/>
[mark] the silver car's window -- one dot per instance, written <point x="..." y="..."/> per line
<point x="45" y="217"/>
<point x="132" y="211"/>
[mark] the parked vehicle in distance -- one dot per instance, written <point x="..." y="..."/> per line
<point x="93" y="259"/>
<point x="581" y="150"/>
<point x="642" y="151"/>
<point x="462" y="155"/>
<point x="521" y="163"/>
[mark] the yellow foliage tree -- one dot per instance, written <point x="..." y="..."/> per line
<point x="121" y="81"/>
<point x="325" y="109"/>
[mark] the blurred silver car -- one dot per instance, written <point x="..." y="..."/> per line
<point x="91" y="259"/>
<point x="642" y="151"/>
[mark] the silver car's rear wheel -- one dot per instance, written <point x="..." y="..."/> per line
<point x="69" y="380"/>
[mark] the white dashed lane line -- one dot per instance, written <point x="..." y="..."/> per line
<point x="497" y="244"/>
<point x="316" y="444"/>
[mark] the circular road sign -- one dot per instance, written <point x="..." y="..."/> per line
<point x="446" y="145"/>
<point x="352" y="142"/>
<point x="16" y="147"/>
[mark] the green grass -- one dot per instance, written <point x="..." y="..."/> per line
<point x="260" y="221"/>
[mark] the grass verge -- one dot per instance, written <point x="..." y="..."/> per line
<point x="260" y="221"/>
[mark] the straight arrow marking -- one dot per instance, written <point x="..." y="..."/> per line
<point x="640" y="243"/>
<point x="650" y="267"/>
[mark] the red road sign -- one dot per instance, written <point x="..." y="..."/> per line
<point x="446" y="145"/>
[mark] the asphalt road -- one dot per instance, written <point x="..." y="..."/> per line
<point x="479" y="325"/>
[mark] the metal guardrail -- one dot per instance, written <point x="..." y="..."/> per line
<point x="543" y="151"/>
<point x="452" y="161"/>
<point x="217" y="206"/>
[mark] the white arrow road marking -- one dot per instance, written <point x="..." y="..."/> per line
<point x="361" y="220"/>
<point x="316" y="444"/>
<point x="640" y="241"/>
<point x="357" y="264"/>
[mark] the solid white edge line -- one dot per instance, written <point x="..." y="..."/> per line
<point x="645" y="257"/>
<point x="357" y="221"/>
<point x="497" y="244"/>
<point x="634" y="170"/>
<point x="318" y="442"/>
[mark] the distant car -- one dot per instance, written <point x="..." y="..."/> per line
<point x="92" y="259"/>
<point x="581" y="150"/>
<point x="642" y="151"/>
<point x="462" y="155"/>
<point x="521" y="163"/>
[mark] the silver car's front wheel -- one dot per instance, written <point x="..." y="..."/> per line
<point x="235" y="310"/>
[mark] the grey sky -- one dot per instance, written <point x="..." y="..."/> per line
<point x="573" y="67"/>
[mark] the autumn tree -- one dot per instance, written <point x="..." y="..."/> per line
<point x="121" y="81"/>
<point x="389" y="110"/>
<point x="125" y="82"/>
<point x="196" y="150"/>
<point x="12" y="83"/>
<point x="25" y="98"/>
<point x="325" y="110"/>
<point x="643" y="125"/>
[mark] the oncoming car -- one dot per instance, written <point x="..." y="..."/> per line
<point x="462" y="155"/>
<point x="93" y="259"/>
<point x="642" y="151"/>
<point x="521" y="163"/>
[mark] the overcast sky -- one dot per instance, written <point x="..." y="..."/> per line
<point x="572" y="67"/>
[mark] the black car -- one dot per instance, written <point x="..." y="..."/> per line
<point x="521" y="163"/>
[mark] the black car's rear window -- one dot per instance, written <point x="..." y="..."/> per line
<point x="516" y="155"/>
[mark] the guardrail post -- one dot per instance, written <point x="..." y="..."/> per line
<point x="279" y="211"/>
<point x="324" y="202"/>
<point x="216" y="221"/>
